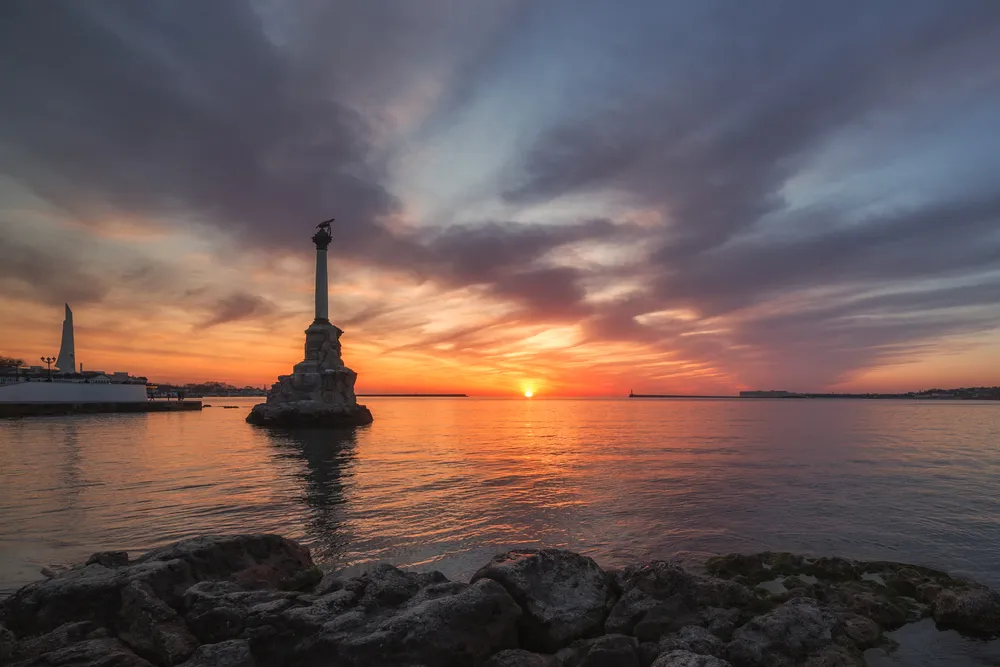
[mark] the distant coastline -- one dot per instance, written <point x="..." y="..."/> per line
<point x="413" y="395"/>
<point x="960" y="394"/>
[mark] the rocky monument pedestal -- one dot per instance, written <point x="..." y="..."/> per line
<point x="320" y="391"/>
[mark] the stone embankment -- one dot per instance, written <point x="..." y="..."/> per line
<point x="259" y="600"/>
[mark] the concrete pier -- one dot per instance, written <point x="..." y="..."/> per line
<point x="14" y="410"/>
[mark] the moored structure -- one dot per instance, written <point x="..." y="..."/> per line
<point x="320" y="390"/>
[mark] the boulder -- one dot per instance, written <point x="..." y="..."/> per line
<point x="109" y="558"/>
<point x="516" y="657"/>
<point x="612" y="650"/>
<point x="788" y="633"/>
<point x="688" y="659"/>
<point x="670" y="597"/>
<point x="835" y="656"/>
<point x="972" y="610"/>
<point x="867" y="599"/>
<point x="720" y="622"/>
<point x="93" y="592"/>
<point x="63" y="636"/>
<point x="861" y="631"/>
<point x="564" y="596"/>
<point x="151" y="628"/>
<point x="460" y="628"/>
<point x="234" y="653"/>
<point x="89" y="653"/>
<point x="695" y="639"/>
<point x="7" y="641"/>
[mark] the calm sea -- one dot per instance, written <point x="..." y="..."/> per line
<point x="447" y="483"/>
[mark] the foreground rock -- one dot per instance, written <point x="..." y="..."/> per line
<point x="564" y="596"/>
<point x="258" y="601"/>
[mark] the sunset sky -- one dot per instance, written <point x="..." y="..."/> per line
<point x="575" y="196"/>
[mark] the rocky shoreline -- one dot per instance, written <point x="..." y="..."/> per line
<point x="259" y="600"/>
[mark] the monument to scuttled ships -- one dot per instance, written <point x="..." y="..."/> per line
<point x="320" y="390"/>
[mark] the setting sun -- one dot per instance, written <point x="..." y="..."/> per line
<point x="528" y="393"/>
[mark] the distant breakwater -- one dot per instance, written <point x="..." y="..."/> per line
<point x="259" y="600"/>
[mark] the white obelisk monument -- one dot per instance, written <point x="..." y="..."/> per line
<point x="66" y="363"/>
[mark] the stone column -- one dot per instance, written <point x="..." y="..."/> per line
<point x="322" y="240"/>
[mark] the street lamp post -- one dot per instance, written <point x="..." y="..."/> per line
<point x="48" y="362"/>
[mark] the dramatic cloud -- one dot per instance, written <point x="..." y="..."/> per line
<point x="696" y="194"/>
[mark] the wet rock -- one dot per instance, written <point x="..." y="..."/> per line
<point x="93" y="592"/>
<point x="7" y="641"/>
<point x="152" y="628"/>
<point x="669" y="596"/>
<point x="612" y="650"/>
<point x="647" y="652"/>
<point x="756" y="568"/>
<point x="630" y="608"/>
<point x="835" y="656"/>
<point x="234" y="653"/>
<point x="928" y="592"/>
<point x="861" y="631"/>
<point x="788" y="633"/>
<point x="63" y="636"/>
<point x="89" y="653"/>
<point x="833" y="569"/>
<point x="720" y="622"/>
<point x="972" y="610"/>
<point x="303" y="580"/>
<point x="688" y="659"/>
<point x="109" y="558"/>
<point x="863" y="599"/>
<point x="461" y="629"/>
<point x="695" y="639"/>
<point x="665" y="617"/>
<point x="516" y="657"/>
<point x="565" y="596"/>
<point x="386" y="586"/>
<point x="251" y="560"/>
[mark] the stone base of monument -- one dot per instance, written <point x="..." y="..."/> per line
<point x="319" y="393"/>
<point x="309" y="414"/>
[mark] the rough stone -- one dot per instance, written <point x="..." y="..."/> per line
<point x="93" y="592"/>
<point x="89" y="653"/>
<point x="109" y="558"/>
<point x="695" y="639"/>
<point x="861" y="631"/>
<point x="234" y="653"/>
<point x="662" y="597"/>
<point x="863" y="599"/>
<point x="688" y="659"/>
<point x="7" y="641"/>
<point x="790" y="632"/>
<point x="613" y="650"/>
<point x="565" y="596"/>
<point x="152" y="628"/>
<point x="720" y="622"/>
<point x="835" y="656"/>
<point x="516" y="657"/>
<point x="464" y="628"/>
<point x="973" y="610"/>
<point x="63" y="636"/>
